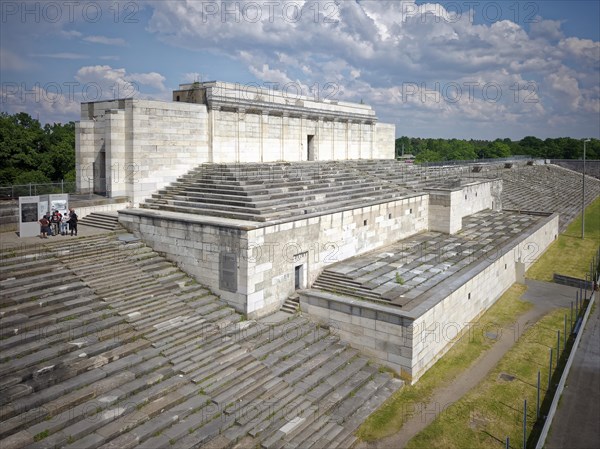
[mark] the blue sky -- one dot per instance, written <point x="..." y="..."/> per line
<point x="472" y="69"/>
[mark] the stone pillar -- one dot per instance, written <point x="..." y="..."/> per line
<point x="372" y="144"/>
<point x="318" y="136"/>
<point x="211" y="132"/>
<point x="302" y="152"/>
<point x="284" y="124"/>
<point x="116" y="167"/>
<point x="264" y="123"/>
<point x="360" y="140"/>
<point x="347" y="139"/>
<point x="240" y="131"/>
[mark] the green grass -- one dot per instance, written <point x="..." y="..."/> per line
<point x="493" y="410"/>
<point x="569" y="254"/>
<point x="390" y="417"/>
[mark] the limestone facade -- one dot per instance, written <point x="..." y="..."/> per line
<point x="272" y="261"/>
<point x="133" y="147"/>
<point x="411" y="341"/>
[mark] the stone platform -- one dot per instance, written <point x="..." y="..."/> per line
<point x="400" y="273"/>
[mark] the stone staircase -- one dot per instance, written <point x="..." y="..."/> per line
<point x="291" y="305"/>
<point x="105" y="344"/>
<point x="102" y="220"/>
<point x="272" y="191"/>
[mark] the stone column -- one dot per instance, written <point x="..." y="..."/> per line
<point x="318" y="136"/>
<point x="240" y="131"/>
<point x="372" y="145"/>
<point x="284" y="124"/>
<point x="347" y="139"/>
<point x="264" y="123"/>
<point x="303" y="150"/>
<point x="360" y="141"/>
<point x="211" y="131"/>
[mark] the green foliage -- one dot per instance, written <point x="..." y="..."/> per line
<point x="399" y="279"/>
<point x="435" y="150"/>
<point x="31" y="153"/>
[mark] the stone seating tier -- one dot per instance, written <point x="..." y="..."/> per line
<point x="110" y="345"/>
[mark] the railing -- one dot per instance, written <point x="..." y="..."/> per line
<point x="17" y="190"/>
<point x="479" y="161"/>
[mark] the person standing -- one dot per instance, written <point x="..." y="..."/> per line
<point x="64" y="224"/>
<point x="73" y="221"/>
<point x="55" y="221"/>
<point x="44" y="227"/>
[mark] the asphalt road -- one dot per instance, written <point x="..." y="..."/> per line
<point x="576" y="424"/>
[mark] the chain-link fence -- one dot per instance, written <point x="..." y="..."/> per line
<point x="15" y="191"/>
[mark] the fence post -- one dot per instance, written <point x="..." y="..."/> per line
<point x="550" y="370"/>
<point x="29" y="189"/>
<point x="537" y="413"/>
<point x="525" y="424"/>
<point x="62" y="186"/>
<point x="565" y="334"/>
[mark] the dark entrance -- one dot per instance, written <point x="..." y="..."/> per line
<point x="310" y="150"/>
<point x="298" y="277"/>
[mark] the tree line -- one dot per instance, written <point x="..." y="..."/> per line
<point x="436" y="150"/>
<point x="32" y="153"/>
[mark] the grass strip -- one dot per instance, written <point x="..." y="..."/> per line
<point x="493" y="410"/>
<point x="390" y="417"/>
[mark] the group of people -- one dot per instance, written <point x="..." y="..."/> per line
<point x="57" y="223"/>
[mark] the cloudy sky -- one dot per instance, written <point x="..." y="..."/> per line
<point x="472" y="69"/>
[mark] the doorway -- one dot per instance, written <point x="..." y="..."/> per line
<point x="310" y="150"/>
<point x="299" y="277"/>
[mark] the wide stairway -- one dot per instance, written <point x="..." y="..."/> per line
<point x="274" y="191"/>
<point x="106" y="344"/>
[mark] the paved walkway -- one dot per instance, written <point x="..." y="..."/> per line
<point x="545" y="296"/>
<point x="575" y="423"/>
<point x="8" y="239"/>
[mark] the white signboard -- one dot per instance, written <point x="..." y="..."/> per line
<point x="59" y="202"/>
<point x="29" y="216"/>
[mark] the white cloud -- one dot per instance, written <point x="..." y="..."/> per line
<point x="62" y="56"/>
<point x="546" y="29"/>
<point x="105" y="40"/>
<point x="375" y="49"/>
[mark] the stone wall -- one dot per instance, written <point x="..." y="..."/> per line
<point x="448" y="206"/>
<point x="313" y="243"/>
<point x="410" y="342"/>
<point x="138" y="146"/>
<point x="266" y="257"/>
<point x="251" y="136"/>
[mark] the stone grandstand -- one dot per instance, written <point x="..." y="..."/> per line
<point x="278" y="191"/>
<point x="109" y="345"/>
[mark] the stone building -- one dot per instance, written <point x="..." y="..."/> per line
<point x="132" y="147"/>
<point x="261" y="197"/>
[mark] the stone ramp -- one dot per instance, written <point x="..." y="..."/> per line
<point x="106" y="344"/>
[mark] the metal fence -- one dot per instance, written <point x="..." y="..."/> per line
<point x="479" y="161"/>
<point x="15" y="191"/>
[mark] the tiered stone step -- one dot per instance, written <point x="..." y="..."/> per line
<point x="102" y="220"/>
<point x="291" y="304"/>
<point x="262" y="192"/>
<point x="547" y="188"/>
<point x="109" y="345"/>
